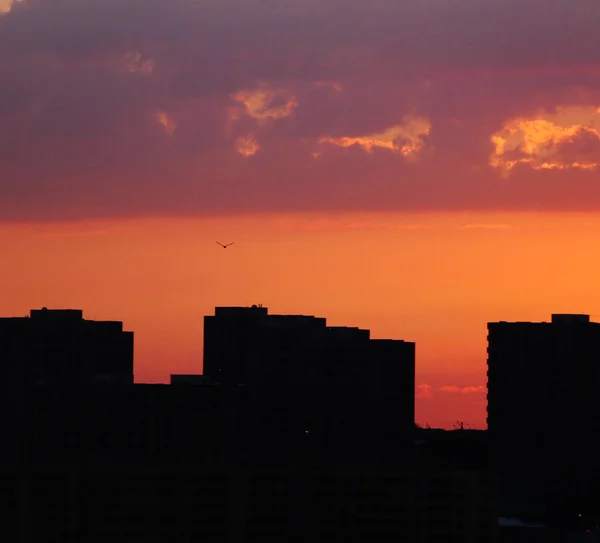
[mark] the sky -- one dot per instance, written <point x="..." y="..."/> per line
<point x="418" y="168"/>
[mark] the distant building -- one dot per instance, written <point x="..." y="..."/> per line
<point x="60" y="347"/>
<point x="313" y="386"/>
<point x="543" y="410"/>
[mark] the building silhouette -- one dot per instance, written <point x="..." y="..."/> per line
<point x="60" y="347"/>
<point x="294" y="391"/>
<point x="297" y="431"/>
<point x="131" y="425"/>
<point x="55" y="353"/>
<point x="313" y="387"/>
<point x="543" y="412"/>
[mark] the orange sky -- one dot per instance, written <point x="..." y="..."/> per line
<point x="435" y="279"/>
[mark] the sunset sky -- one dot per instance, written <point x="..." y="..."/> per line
<point x="415" y="167"/>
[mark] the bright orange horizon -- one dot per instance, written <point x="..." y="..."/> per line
<point x="435" y="279"/>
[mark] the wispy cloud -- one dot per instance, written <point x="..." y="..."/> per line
<point x="136" y="63"/>
<point x="453" y="389"/>
<point x="333" y="85"/>
<point x="76" y="234"/>
<point x="407" y="139"/>
<point x="77" y="230"/>
<point x="424" y="391"/>
<point x="166" y="122"/>
<point x="485" y="227"/>
<point x="348" y="224"/>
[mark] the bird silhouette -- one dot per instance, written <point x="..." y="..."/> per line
<point x="225" y="246"/>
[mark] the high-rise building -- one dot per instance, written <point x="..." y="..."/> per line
<point x="61" y="347"/>
<point x="543" y="411"/>
<point x="313" y="386"/>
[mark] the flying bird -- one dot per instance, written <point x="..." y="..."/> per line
<point x="225" y="246"/>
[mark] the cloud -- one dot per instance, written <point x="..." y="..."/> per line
<point x="75" y="234"/>
<point x="469" y="390"/>
<point x="449" y="388"/>
<point x="333" y="85"/>
<point x="264" y="102"/>
<point x="407" y="138"/>
<point x="6" y="5"/>
<point x="485" y="227"/>
<point x="424" y="391"/>
<point x="247" y="146"/>
<point x="136" y="63"/>
<point x="164" y="120"/>
<point x="343" y="224"/>
<point x="71" y="230"/>
<point x="567" y="138"/>
<point x="453" y="389"/>
<point x="341" y="102"/>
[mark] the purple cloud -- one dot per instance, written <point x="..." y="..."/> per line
<point x="155" y="107"/>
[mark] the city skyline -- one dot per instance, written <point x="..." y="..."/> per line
<point x="423" y="391"/>
<point x="286" y="398"/>
<point x="426" y="278"/>
<point x="401" y="342"/>
<point x="411" y="168"/>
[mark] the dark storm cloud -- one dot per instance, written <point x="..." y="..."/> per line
<point x="122" y="108"/>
